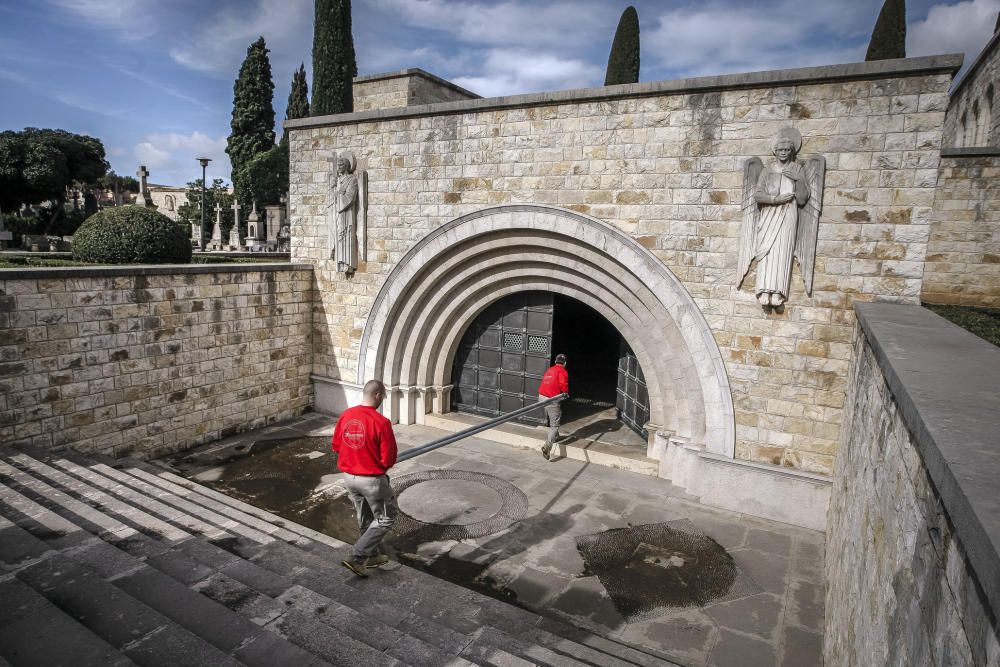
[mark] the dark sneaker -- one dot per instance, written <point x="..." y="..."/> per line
<point x="546" y="448"/>
<point x="376" y="561"/>
<point x="357" y="567"/>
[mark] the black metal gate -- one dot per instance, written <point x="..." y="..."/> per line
<point x="503" y="355"/>
<point x="632" y="401"/>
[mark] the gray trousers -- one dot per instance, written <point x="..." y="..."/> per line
<point x="375" y="505"/>
<point x="553" y="412"/>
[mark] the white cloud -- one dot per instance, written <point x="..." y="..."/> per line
<point x="219" y="44"/>
<point x="961" y="28"/>
<point x="510" y="23"/>
<point x="133" y="20"/>
<point x="509" y="72"/>
<point x="171" y="157"/>
<point x="162" y="87"/>
<point x="716" y="39"/>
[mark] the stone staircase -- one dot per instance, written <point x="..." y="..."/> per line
<point x="120" y="563"/>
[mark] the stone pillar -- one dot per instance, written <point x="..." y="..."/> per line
<point x="216" y="242"/>
<point x="254" y="235"/>
<point x="234" y="233"/>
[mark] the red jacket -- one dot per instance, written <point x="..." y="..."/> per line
<point x="364" y="441"/>
<point x="554" y="382"/>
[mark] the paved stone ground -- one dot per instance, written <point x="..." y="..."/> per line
<point x="535" y="562"/>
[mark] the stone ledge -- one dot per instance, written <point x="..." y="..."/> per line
<point x="416" y="71"/>
<point x="944" y="380"/>
<point x="897" y="68"/>
<point x="48" y="272"/>
<point x="982" y="151"/>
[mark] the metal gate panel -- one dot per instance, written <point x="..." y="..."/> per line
<point x="632" y="397"/>
<point x="503" y="355"/>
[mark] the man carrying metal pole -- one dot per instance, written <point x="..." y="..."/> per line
<point x="554" y="382"/>
<point x="366" y="449"/>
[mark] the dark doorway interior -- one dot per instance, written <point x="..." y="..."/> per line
<point x="591" y="344"/>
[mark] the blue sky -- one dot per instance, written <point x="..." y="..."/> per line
<point x="153" y="79"/>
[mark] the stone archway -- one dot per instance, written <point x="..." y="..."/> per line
<point x="452" y="274"/>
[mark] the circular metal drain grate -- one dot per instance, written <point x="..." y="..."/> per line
<point x="513" y="508"/>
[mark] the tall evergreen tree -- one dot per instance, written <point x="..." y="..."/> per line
<point x="623" y="62"/>
<point x="889" y="36"/>
<point x="252" y="126"/>
<point x="298" y="99"/>
<point x="334" y="65"/>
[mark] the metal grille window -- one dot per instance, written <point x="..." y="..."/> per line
<point x="513" y="341"/>
<point x="538" y="344"/>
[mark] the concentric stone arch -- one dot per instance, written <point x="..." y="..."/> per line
<point x="451" y="275"/>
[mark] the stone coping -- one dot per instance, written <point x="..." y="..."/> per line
<point x="879" y="69"/>
<point x="944" y="380"/>
<point x="51" y="272"/>
<point x="416" y="71"/>
<point x="981" y="151"/>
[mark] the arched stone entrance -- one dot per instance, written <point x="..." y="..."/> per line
<point x="452" y="274"/>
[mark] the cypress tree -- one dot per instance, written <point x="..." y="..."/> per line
<point x="889" y="36"/>
<point x="298" y="99"/>
<point x="623" y="62"/>
<point x="253" y="114"/>
<point x="334" y="65"/>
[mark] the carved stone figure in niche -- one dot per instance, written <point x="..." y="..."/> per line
<point x="781" y="206"/>
<point x="346" y="214"/>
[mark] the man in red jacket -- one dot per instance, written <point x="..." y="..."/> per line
<point x="554" y="382"/>
<point x="366" y="449"/>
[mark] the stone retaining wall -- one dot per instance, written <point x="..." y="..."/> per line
<point x="963" y="254"/>
<point x="906" y="513"/>
<point x="151" y="360"/>
<point x="662" y="162"/>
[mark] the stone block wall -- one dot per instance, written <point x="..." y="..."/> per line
<point x="664" y="165"/>
<point x="153" y="360"/>
<point x="973" y="119"/>
<point x="900" y="587"/>
<point x="402" y="89"/>
<point x="963" y="254"/>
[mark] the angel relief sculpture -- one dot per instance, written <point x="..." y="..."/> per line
<point x="781" y="207"/>
<point x="347" y="209"/>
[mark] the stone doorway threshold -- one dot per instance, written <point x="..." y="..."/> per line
<point x="597" y="438"/>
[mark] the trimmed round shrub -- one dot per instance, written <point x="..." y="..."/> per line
<point x="131" y="235"/>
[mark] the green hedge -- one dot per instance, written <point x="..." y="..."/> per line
<point x="131" y="235"/>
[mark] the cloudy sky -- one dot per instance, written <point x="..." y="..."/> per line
<point x="154" y="80"/>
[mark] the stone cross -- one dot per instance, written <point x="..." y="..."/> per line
<point x="218" y="212"/>
<point x="236" y="212"/>
<point x="142" y="174"/>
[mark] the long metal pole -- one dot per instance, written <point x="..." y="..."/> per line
<point x="485" y="426"/>
<point x="201" y="233"/>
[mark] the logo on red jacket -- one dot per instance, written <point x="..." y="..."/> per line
<point x="354" y="434"/>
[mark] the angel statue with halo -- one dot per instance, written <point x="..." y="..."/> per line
<point x="347" y="212"/>
<point x="781" y="205"/>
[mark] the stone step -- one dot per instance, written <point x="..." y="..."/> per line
<point x="167" y="591"/>
<point x="181" y="536"/>
<point x="35" y="631"/>
<point x="521" y="436"/>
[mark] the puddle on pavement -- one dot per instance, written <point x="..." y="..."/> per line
<point x="291" y="478"/>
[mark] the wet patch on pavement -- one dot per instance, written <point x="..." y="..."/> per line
<point x="650" y="569"/>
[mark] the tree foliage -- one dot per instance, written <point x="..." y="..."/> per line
<point x="131" y="235"/>
<point x="189" y="212"/>
<point x="889" y="36"/>
<point x="265" y="178"/>
<point x="298" y="99"/>
<point x="334" y="64"/>
<point x="252" y="125"/>
<point x="37" y="165"/>
<point x="623" y="61"/>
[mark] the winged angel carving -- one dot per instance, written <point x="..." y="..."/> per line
<point x="781" y="206"/>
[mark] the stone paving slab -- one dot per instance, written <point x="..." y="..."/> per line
<point x="536" y="563"/>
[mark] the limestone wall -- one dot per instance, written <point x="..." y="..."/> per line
<point x="963" y="254"/>
<point x="973" y="119"/>
<point x="148" y="361"/>
<point x="663" y="163"/>
<point x="405" y="88"/>
<point x="901" y="589"/>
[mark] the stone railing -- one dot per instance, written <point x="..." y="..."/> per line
<point x="149" y="360"/>
<point x="913" y="573"/>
